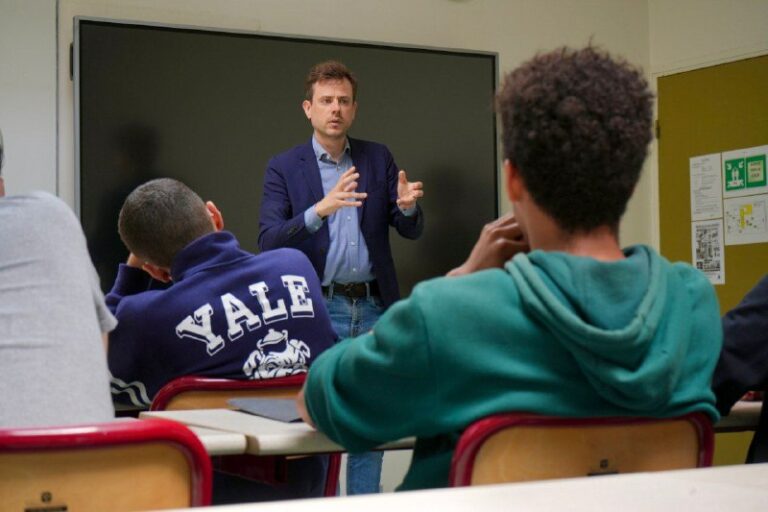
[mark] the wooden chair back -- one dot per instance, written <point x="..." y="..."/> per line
<point x="192" y="392"/>
<point x="119" y="466"/>
<point x="187" y="393"/>
<point x="523" y="447"/>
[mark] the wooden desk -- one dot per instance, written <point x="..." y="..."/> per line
<point x="743" y="416"/>
<point x="741" y="488"/>
<point x="263" y="436"/>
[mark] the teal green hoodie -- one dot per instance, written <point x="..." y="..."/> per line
<point x="551" y="333"/>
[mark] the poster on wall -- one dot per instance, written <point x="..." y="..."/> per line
<point x="744" y="172"/>
<point x="706" y="190"/>
<point x="746" y="220"/>
<point x="707" y="247"/>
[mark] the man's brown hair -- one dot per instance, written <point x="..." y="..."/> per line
<point x="328" y="70"/>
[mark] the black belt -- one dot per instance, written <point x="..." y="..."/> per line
<point x="353" y="290"/>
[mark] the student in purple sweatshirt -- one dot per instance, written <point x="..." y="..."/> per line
<point x="189" y="301"/>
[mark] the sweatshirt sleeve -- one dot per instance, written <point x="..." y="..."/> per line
<point x="377" y="387"/>
<point x="126" y="353"/>
<point x="743" y="364"/>
<point x="129" y="281"/>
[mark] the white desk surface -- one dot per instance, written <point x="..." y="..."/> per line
<point x="263" y="436"/>
<point x="219" y="442"/>
<point x="742" y="488"/>
<point x="228" y="432"/>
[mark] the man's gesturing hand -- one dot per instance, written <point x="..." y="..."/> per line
<point x="342" y="194"/>
<point x="499" y="241"/>
<point x="408" y="192"/>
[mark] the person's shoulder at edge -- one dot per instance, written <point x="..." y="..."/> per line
<point x="37" y="197"/>
<point x="43" y="205"/>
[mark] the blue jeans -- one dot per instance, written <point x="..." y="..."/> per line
<point x="351" y="317"/>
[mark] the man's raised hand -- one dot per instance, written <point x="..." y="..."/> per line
<point x="341" y="195"/>
<point x="408" y="192"/>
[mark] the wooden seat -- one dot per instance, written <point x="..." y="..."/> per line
<point x="523" y="447"/>
<point x="192" y="392"/>
<point x="118" y="466"/>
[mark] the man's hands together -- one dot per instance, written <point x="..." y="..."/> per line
<point x="342" y="194"/>
<point x="499" y="241"/>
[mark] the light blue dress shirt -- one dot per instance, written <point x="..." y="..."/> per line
<point x="348" y="260"/>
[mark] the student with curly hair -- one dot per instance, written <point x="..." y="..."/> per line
<point x="548" y="314"/>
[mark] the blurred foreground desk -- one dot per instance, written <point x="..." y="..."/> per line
<point x="225" y="429"/>
<point x="741" y="488"/>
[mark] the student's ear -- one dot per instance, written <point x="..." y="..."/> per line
<point x="307" y="105"/>
<point x="513" y="181"/>
<point x="161" y="274"/>
<point x="216" y="218"/>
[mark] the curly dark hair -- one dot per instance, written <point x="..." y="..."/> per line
<point x="328" y="70"/>
<point x="576" y="124"/>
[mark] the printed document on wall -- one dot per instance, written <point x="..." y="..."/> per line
<point x="707" y="247"/>
<point x="744" y="172"/>
<point x="706" y="189"/>
<point x="746" y="220"/>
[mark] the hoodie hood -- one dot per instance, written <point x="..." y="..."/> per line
<point x="611" y="317"/>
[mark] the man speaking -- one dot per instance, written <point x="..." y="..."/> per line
<point x="333" y="198"/>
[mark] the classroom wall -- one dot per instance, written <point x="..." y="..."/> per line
<point x="28" y="93"/>
<point x="664" y="36"/>
<point x="691" y="34"/>
<point x="515" y="29"/>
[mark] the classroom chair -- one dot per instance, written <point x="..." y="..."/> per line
<point x="119" y="466"/>
<point x="516" y="447"/>
<point x="192" y="392"/>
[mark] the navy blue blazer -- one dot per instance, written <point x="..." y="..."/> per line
<point x="292" y="184"/>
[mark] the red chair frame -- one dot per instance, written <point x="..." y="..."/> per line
<point x="470" y="442"/>
<point x="119" y="433"/>
<point x="194" y="383"/>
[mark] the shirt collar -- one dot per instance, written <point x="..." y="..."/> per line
<point x="321" y="154"/>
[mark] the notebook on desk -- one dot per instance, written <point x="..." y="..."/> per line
<point x="281" y="409"/>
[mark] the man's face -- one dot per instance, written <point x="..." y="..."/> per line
<point x="332" y="109"/>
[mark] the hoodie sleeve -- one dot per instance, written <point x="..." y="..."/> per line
<point x="374" y="388"/>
